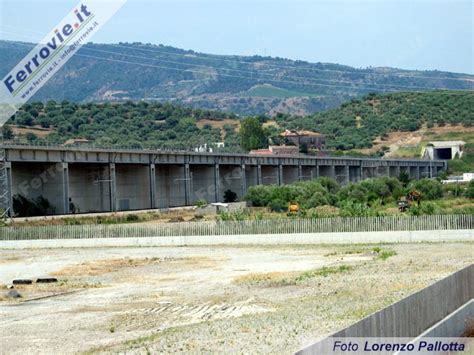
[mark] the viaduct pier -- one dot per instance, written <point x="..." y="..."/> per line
<point x="104" y="180"/>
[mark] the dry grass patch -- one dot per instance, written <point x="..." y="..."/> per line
<point x="41" y="290"/>
<point x="99" y="267"/>
<point x="275" y="279"/>
<point x="5" y="259"/>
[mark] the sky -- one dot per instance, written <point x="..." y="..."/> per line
<point x="408" y="34"/>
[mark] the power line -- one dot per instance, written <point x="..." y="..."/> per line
<point x="257" y="73"/>
<point x="355" y="71"/>
<point x="220" y="58"/>
<point x="365" y="87"/>
<point x="219" y="74"/>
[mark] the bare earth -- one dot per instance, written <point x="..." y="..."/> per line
<point x="207" y="299"/>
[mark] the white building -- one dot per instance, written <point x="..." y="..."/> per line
<point x="466" y="177"/>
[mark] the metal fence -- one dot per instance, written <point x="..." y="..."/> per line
<point x="271" y="226"/>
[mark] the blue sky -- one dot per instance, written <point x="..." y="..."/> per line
<point x="405" y="34"/>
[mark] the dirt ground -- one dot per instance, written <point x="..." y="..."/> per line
<point x="207" y="299"/>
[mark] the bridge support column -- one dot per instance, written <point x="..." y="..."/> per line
<point x="9" y="189"/>
<point x="152" y="186"/>
<point x="187" y="184"/>
<point x="280" y="175"/>
<point x="354" y="174"/>
<point x="259" y="174"/>
<point x="317" y="172"/>
<point x="300" y="173"/>
<point x="217" y="180"/>
<point x="243" y="180"/>
<point x="113" y="187"/>
<point x="347" y="178"/>
<point x="65" y="183"/>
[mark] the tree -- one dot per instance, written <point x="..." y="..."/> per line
<point x="404" y="178"/>
<point x="252" y="135"/>
<point x="7" y="133"/>
<point x="230" y="196"/>
<point x="31" y="137"/>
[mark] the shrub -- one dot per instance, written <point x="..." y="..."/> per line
<point x="317" y="199"/>
<point x="331" y="185"/>
<point x="323" y="212"/>
<point x="38" y="206"/>
<point x="454" y="190"/>
<point x="469" y="193"/>
<point x="430" y="189"/>
<point x="132" y="218"/>
<point x="278" y="205"/>
<point x="239" y="215"/>
<point x="353" y="192"/>
<point x="201" y="203"/>
<point x="258" y="196"/>
<point x="426" y="208"/>
<point x="351" y="209"/>
<point x="230" y="196"/>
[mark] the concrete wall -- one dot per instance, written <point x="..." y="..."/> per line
<point x="309" y="173"/>
<point x="203" y="186"/>
<point x="132" y="187"/>
<point x="39" y="179"/>
<point x="394" y="171"/>
<point x="89" y="187"/>
<point x="454" y="325"/>
<point x="411" y="316"/>
<point x="414" y="172"/>
<point x="327" y="171"/>
<point x="270" y="175"/>
<point x="342" y="174"/>
<point x="170" y="185"/>
<point x="230" y="178"/>
<point x="251" y="175"/>
<point x="290" y="174"/>
<point x="369" y="172"/>
<point x="249" y="239"/>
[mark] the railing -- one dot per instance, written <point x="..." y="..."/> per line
<point x="272" y="226"/>
<point x="231" y="151"/>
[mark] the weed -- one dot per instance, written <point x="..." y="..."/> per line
<point x="383" y="254"/>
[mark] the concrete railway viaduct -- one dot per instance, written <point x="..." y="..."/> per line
<point x="100" y="180"/>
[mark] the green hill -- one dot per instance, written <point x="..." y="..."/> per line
<point x="241" y="84"/>
<point x="356" y="124"/>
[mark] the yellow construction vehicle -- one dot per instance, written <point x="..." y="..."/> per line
<point x="293" y="208"/>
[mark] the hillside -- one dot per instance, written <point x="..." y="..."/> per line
<point x="359" y="123"/>
<point x="125" y="124"/>
<point x="243" y="85"/>
<point x="399" y="124"/>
